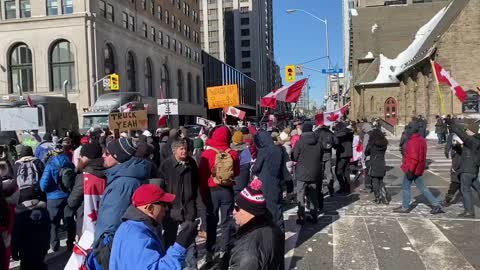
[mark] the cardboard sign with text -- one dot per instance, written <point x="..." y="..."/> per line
<point x="125" y="121"/>
<point x="222" y="96"/>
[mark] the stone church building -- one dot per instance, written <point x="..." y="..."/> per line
<point x="391" y="52"/>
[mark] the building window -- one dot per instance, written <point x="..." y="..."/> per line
<point x="167" y="41"/>
<point x="189" y="87"/>
<point x="199" y="91"/>
<point x="52" y="7"/>
<point x="125" y="20"/>
<point x="245" y="54"/>
<point x="110" y="13"/>
<point x="173" y="21"/>
<point x="243" y="9"/>
<point x="131" y="23"/>
<point x="246" y="64"/>
<point x="131" y="73"/>
<point x="245" y="32"/>
<point x="178" y="4"/>
<point x="245" y="21"/>
<point x="245" y="43"/>
<point x="180" y="48"/>
<point x="108" y="59"/>
<point x="67" y="6"/>
<point x="152" y="7"/>
<point x="172" y="2"/>
<point x="160" y="38"/>
<point x="102" y="8"/>
<point x="180" y="84"/>
<point x="165" y="80"/>
<point x="20" y="69"/>
<point x="144" y="4"/>
<point x="153" y="35"/>
<point x="187" y="12"/>
<point x="174" y="44"/>
<point x="184" y="7"/>
<point x="25" y="9"/>
<point x="167" y="17"/>
<point x="148" y="77"/>
<point x="179" y="25"/>
<point x="159" y="13"/>
<point x="62" y="66"/>
<point x="144" y="30"/>
<point x="10" y="10"/>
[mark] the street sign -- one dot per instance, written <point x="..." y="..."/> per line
<point x="330" y="105"/>
<point x="299" y="70"/>
<point x="332" y="71"/>
<point x="167" y="106"/>
<point x="106" y="83"/>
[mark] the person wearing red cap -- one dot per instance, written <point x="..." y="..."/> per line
<point x="136" y="244"/>
<point x="259" y="242"/>
<point x="76" y="153"/>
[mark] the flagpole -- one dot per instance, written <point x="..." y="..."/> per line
<point x="442" y="104"/>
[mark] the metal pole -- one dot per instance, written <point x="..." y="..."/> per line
<point x="328" y="56"/>
<point x="65" y="90"/>
<point x="19" y="89"/>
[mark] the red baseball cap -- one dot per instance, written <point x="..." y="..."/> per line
<point x="84" y="140"/>
<point x="150" y="193"/>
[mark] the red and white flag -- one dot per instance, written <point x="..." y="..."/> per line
<point x="162" y="119"/>
<point x="29" y="101"/>
<point x="289" y="94"/>
<point x="443" y="76"/>
<point x="328" y="118"/>
<point x="232" y="111"/>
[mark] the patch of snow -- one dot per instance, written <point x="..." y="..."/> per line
<point x="374" y="27"/>
<point x="408" y="249"/>
<point x="353" y="12"/>
<point x="386" y="248"/>
<point x="310" y="249"/>
<point x="369" y="56"/>
<point x="391" y="68"/>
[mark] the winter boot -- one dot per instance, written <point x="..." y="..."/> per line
<point x="437" y="210"/>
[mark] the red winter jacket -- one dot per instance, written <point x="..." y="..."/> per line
<point x="415" y="155"/>
<point x="221" y="141"/>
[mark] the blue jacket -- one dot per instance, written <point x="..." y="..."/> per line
<point x="137" y="246"/>
<point x="42" y="149"/>
<point x="50" y="176"/>
<point x="122" y="180"/>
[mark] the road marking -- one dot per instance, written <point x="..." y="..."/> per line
<point x="292" y="231"/>
<point x="432" y="246"/>
<point x="352" y="245"/>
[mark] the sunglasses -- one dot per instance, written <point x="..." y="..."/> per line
<point x="164" y="204"/>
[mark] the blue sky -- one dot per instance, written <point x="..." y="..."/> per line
<point x="299" y="38"/>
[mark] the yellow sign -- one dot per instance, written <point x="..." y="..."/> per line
<point x="290" y="73"/>
<point x="125" y="121"/>
<point x="114" y="83"/>
<point x="222" y="96"/>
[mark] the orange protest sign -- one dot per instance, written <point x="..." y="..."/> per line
<point x="222" y="96"/>
<point x="125" y="121"/>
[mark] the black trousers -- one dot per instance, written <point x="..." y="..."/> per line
<point x="342" y="171"/>
<point x="220" y="199"/>
<point x="310" y="196"/>
<point x="56" y="210"/>
<point x="379" y="189"/>
<point x="452" y="189"/>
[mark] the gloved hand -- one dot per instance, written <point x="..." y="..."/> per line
<point x="189" y="231"/>
<point x="410" y="175"/>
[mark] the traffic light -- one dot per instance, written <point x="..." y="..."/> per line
<point x="114" y="82"/>
<point x="290" y="73"/>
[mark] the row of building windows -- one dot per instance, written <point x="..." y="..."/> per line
<point x="25" y="10"/>
<point x="178" y="4"/>
<point x="61" y="67"/>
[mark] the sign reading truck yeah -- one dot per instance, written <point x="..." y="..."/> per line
<point x="125" y="121"/>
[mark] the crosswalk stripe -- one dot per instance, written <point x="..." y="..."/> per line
<point x="432" y="246"/>
<point x="352" y="245"/>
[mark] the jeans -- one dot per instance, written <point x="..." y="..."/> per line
<point x="171" y="230"/>
<point x="468" y="181"/>
<point x="222" y="199"/>
<point x="421" y="186"/>
<point x="309" y="195"/>
<point x="56" y="209"/>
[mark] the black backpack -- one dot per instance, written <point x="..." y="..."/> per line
<point x="28" y="174"/>
<point x="66" y="179"/>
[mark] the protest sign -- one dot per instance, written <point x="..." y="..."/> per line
<point x="13" y="119"/>
<point x="222" y="96"/>
<point x="205" y="122"/>
<point x="125" y="121"/>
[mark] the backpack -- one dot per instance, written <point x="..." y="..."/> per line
<point x="223" y="170"/>
<point x="66" y="179"/>
<point x="326" y="142"/>
<point x="27" y="174"/>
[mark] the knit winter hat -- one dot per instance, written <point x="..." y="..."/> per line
<point x="122" y="149"/>
<point x="198" y="143"/>
<point x="251" y="198"/>
<point x="307" y="127"/>
<point x="237" y="137"/>
<point x="91" y="151"/>
<point x="26" y="151"/>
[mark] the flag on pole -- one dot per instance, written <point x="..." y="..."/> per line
<point x="29" y="101"/>
<point x="443" y="76"/>
<point x="328" y="118"/>
<point x="289" y="94"/>
<point x="232" y="111"/>
<point x="162" y="119"/>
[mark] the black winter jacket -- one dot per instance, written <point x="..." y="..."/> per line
<point x="259" y="245"/>
<point x="345" y="138"/>
<point x="184" y="182"/>
<point x="470" y="159"/>
<point x="376" y="148"/>
<point x="308" y="155"/>
<point x="324" y="134"/>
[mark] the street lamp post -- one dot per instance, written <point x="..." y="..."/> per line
<point x="290" y="11"/>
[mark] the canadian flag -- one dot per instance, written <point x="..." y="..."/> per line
<point x="289" y="94"/>
<point x="29" y="101"/>
<point x="232" y="111"/>
<point x="443" y="76"/>
<point x="328" y="118"/>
